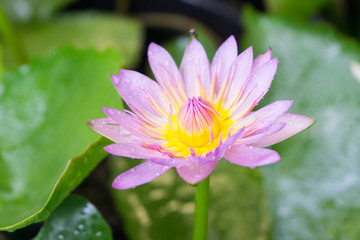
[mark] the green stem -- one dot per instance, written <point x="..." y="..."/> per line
<point x="201" y="210"/>
<point x="11" y="39"/>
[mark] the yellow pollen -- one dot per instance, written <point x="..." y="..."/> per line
<point x="197" y="127"/>
<point x="197" y="122"/>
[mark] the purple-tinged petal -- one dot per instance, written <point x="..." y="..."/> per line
<point x="233" y="82"/>
<point x="142" y="173"/>
<point x="294" y="124"/>
<point x="133" y="150"/>
<point x="265" y="116"/>
<point x="166" y="73"/>
<point x="223" y="58"/>
<point x="158" y="56"/>
<point x="258" y="136"/>
<point x="171" y="162"/>
<point x="219" y="151"/>
<point x="194" y="173"/>
<point x="195" y="70"/>
<point x="242" y="68"/>
<point x="261" y="60"/>
<point x="261" y="80"/>
<point x="142" y="94"/>
<point x="111" y="129"/>
<point x="257" y="86"/>
<point x="128" y="122"/>
<point x="249" y="156"/>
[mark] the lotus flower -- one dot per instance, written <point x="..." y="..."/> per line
<point x="191" y="118"/>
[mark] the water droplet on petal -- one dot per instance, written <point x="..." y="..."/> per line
<point x="157" y="174"/>
<point x="167" y="63"/>
<point x="116" y="80"/>
<point x="132" y="170"/>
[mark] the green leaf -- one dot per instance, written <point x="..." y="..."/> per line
<point x="295" y="8"/>
<point x="163" y="209"/>
<point x="75" y="218"/>
<point x="314" y="191"/>
<point x="83" y="30"/>
<point x="32" y="10"/>
<point x="44" y="107"/>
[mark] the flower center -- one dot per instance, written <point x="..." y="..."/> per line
<point x="197" y="122"/>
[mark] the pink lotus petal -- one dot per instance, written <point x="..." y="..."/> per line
<point x="263" y="133"/>
<point x="249" y="156"/>
<point x="139" y="175"/>
<point x="195" y="173"/>
<point x="171" y="162"/>
<point x="158" y="56"/>
<point x="128" y="122"/>
<point x="258" y="85"/>
<point x="241" y="69"/>
<point x="266" y="115"/>
<point x="223" y="58"/>
<point x="165" y="71"/>
<point x="111" y="129"/>
<point x="261" y="80"/>
<point x="294" y="124"/>
<point x="138" y="91"/>
<point x="261" y="60"/>
<point x="133" y="150"/>
<point x="195" y="68"/>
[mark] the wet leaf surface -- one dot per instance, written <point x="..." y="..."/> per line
<point x="314" y="190"/>
<point x="44" y="141"/>
<point x="75" y="218"/>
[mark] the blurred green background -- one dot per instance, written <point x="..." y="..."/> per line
<point x="56" y="60"/>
